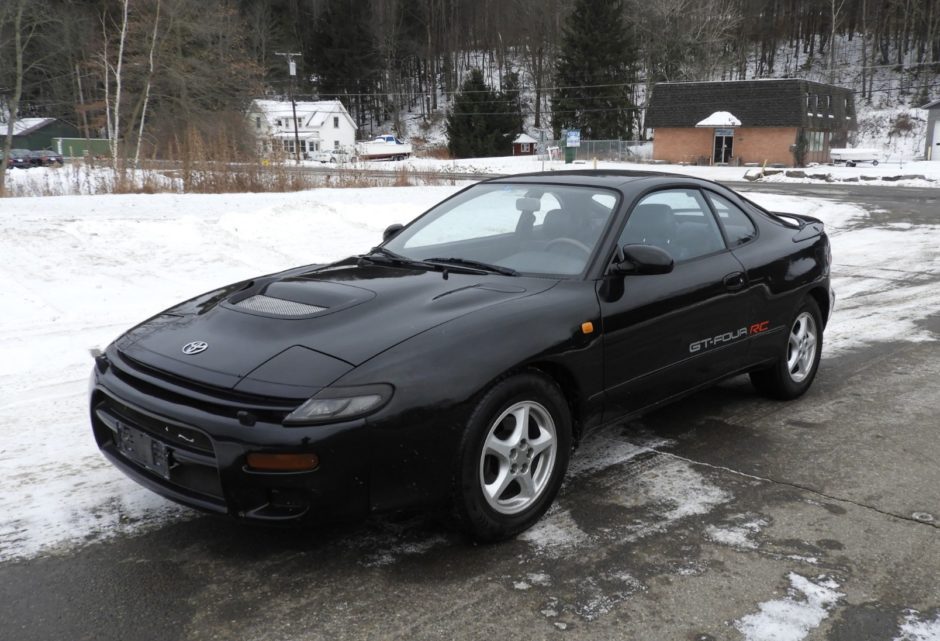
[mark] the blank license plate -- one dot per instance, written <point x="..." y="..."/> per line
<point x="142" y="449"/>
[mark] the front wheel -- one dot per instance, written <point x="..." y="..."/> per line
<point x="798" y="363"/>
<point x="513" y="457"/>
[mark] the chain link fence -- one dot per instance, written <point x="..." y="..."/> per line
<point x="615" y="150"/>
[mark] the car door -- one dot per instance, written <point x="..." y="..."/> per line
<point x="667" y="333"/>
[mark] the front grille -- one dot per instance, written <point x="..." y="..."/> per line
<point x="278" y="306"/>
<point x="180" y="391"/>
<point x="171" y="433"/>
<point x="190" y="458"/>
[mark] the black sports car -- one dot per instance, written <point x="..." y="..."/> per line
<point x="463" y="358"/>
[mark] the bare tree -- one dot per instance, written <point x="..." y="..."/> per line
<point x="146" y="98"/>
<point x="24" y="28"/>
<point x="118" y="71"/>
<point x="835" y="7"/>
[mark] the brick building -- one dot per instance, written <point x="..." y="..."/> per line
<point x="773" y="114"/>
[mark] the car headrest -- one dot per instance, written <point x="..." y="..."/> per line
<point x="557" y="224"/>
<point x="652" y="224"/>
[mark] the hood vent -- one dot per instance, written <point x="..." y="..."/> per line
<point x="277" y="306"/>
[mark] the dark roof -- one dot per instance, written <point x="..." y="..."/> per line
<point x="756" y="103"/>
<point x="611" y="178"/>
<point x="931" y="105"/>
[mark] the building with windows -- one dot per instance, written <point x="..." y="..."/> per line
<point x="524" y="145"/>
<point x="774" y="121"/>
<point x="322" y="126"/>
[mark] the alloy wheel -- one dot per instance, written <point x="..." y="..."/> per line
<point x="518" y="457"/>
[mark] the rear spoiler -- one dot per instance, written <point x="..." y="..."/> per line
<point x="806" y="226"/>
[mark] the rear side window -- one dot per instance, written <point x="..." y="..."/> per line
<point x="738" y="227"/>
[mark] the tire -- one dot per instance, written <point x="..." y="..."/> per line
<point x="874" y="163"/>
<point x="508" y="478"/>
<point x="794" y="371"/>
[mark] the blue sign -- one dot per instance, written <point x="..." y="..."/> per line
<point x="573" y="139"/>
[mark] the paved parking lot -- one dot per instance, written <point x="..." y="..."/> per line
<point x="726" y="516"/>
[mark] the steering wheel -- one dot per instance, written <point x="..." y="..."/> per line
<point x="577" y="244"/>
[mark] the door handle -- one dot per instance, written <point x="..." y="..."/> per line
<point x="734" y="282"/>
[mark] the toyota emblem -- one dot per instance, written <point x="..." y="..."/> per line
<point x="195" y="347"/>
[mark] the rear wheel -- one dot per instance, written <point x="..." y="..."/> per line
<point x="796" y="368"/>
<point x="513" y="457"/>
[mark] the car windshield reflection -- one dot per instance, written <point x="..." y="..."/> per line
<point x="542" y="230"/>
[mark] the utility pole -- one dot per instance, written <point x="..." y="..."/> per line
<point x="292" y="69"/>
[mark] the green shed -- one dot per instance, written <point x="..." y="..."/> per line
<point x="37" y="133"/>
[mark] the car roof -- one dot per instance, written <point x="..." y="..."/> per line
<point x="616" y="178"/>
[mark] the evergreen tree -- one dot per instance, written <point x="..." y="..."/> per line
<point x="596" y="60"/>
<point x="483" y="122"/>
<point x="343" y="54"/>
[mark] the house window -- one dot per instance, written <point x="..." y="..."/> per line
<point x="817" y="140"/>
<point x="525" y="147"/>
<point x="289" y="146"/>
<point x="278" y="122"/>
<point x="257" y="122"/>
<point x="336" y="145"/>
<point x="335" y="122"/>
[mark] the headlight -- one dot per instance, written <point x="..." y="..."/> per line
<point x="340" y="404"/>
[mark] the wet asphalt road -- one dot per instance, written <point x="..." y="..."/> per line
<point x="676" y="526"/>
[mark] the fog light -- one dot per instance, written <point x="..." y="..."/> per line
<point x="263" y="462"/>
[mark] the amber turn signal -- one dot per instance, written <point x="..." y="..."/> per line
<point x="303" y="462"/>
<point x="587" y="327"/>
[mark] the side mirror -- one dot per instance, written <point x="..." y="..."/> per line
<point x="643" y="260"/>
<point x="391" y="231"/>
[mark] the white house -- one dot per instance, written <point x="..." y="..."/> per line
<point x="321" y="126"/>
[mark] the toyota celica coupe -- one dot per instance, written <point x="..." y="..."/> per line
<point x="461" y="361"/>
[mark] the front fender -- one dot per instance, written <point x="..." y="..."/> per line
<point x="439" y="374"/>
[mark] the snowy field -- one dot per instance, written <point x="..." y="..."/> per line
<point x="80" y="269"/>
<point x="75" y="179"/>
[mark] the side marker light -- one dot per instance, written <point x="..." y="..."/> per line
<point x="587" y="327"/>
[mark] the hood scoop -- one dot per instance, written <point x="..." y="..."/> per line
<point x="270" y="306"/>
<point x="292" y="298"/>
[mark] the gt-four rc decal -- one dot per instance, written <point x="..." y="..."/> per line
<point x="728" y="337"/>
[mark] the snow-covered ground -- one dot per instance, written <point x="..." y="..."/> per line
<point x="80" y="269"/>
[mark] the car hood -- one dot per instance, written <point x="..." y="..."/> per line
<point x="298" y="331"/>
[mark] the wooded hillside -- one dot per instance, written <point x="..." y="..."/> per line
<point x="163" y="71"/>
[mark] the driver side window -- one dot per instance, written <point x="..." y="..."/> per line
<point x="675" y="220"/>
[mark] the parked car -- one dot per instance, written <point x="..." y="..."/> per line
<point x="45" y="158"/>
<point x="329" y="155"/>
<point x="19" y="158"/>
<point x="462" y="359"/>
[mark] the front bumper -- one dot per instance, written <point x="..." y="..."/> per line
<point x="204" y="443"/>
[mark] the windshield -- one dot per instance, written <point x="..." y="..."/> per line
<point x="547" y="230"/>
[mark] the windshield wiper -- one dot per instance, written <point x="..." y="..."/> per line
<point x="388" y="257"/>
<point x="475" y="264"/>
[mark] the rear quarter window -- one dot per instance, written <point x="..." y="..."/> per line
<point x="737" y="225"/>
